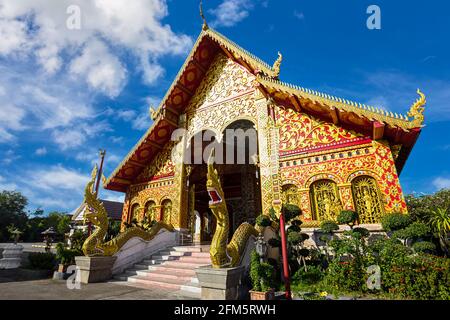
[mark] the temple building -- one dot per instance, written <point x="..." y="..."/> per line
<point x="321" y="152"/>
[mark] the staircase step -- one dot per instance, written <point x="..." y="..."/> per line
<point x="152" y="275"/>
<point x="181" y="264"/>
<point x="175" y="284"/>
<point x="185" y="253"/>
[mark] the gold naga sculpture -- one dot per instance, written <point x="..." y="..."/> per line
<point x="222" y="254"/>
<point x="95" y="213"/>
<point x="417" y="109"/>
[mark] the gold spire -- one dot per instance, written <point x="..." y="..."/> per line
<point x="205" y="25"/>
<point x="417" y="109"/>
<point x="277" y="64"/>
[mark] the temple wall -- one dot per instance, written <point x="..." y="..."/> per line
<point x="325" y="169"/>
<point x="154" y="186"/>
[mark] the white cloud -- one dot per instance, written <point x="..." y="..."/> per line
<point x="441" y="183"/>
<point x="57" y="178"/>
<point x="102" y="70"/>
<point x="134" y="26"/>
<point x="6" y="185"/>
<point x="230" y="12"/>
<point x="142" y="120"/>
<point x="10" y="120"/>
<point x="112" y="196"/>
<point x="41" y="151"/>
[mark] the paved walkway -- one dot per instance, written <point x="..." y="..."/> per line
<point x="13" y="287"/>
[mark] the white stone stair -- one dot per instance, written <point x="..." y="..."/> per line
<point x="171" y="269"/>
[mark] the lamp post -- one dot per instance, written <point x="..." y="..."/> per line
<point x="48" y="238"/>
<point x="261" y="247"/>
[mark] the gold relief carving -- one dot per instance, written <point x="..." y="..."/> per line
<point x="299" y="131"/>
<point x="367" y="199"/>
<point x="223" y="80"/>
<point x="218" y="116"/>
<point x="161" y="166"/>
<point x="345" y="192"/>
<point x="377" y="163"/>
<point x="290" y="194"/>
<point x="325" y="200"/>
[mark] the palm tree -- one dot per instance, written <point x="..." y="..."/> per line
<point x="440" y="223"/>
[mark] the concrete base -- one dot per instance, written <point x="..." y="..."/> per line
<point x="95" y="269"/>
<point x="12" y="256"/>
<point x="220" y="284"/>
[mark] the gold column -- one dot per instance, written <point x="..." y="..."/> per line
<point x="179" y="205"/>
<point x="263" y="148"/>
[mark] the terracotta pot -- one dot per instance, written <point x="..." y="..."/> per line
<point x="259" y="295"/>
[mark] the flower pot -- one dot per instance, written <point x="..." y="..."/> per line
<point x="262" y="295"/>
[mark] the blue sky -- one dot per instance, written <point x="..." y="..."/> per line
<point x="66" y="93"/>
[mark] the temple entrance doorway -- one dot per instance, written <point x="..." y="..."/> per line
<point x="239" y="175"/>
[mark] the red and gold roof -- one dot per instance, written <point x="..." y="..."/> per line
<point x="370" y="121"/>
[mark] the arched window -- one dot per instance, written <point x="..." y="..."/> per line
<point x="134" y="213"/>
<point x="167" y="210"/>
<point x="290" y="194"/>
<point x="325" y="201"/>
<point x="366" y="196"/>
<point x="150" y="210"/>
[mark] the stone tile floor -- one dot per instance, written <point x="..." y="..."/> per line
<point x="13" y="288"/>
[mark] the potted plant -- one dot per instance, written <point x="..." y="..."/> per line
<point x="65" y="257"/>
<point x="262" y="276"/>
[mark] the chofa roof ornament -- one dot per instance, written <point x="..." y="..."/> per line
<point x="277" y="64"/>
<point x="417" y="110"/>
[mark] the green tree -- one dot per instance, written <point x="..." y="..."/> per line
<point x="439" y="220"/>
<point x="12" y="212"/>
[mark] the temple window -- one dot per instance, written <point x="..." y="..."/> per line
<point x="166" y="210"/>
<point x="290" y="194"/>
<point x="134" y="213"/>
<point x="150" y="210"/>
<point x="325" y="201"/>
<point x="366" y="196"/>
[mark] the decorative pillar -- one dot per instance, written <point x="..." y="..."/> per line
<point x="345" y="193"/>
<point x="263" y="148"/>
<point x="180" y="203"/>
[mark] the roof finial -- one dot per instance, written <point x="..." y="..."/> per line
<point x="205" y="25"/>
<point x="417" y="109"/>
<point x="277" y="64"/>
<point x="153" y="113"/>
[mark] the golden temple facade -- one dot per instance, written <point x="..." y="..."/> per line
<point x="323" y="153"/>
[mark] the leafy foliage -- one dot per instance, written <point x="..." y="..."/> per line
<point x="66" y="256"/>
<point x="12" y="212"/>
<point x="328" y="226"/>
<point x="312" y="275"/>
<point x="395" y="221"/>
<point x="42" y="260"/>
<point x="262" y="274"/>
<point x="347" y="217"/>
<point x="424" y="246"/>
<point x="263" y="220"/>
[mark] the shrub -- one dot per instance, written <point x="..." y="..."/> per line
<point x="274" y="243"/>
<point x="295" y="238"/>
<point x="263" y="221"/>
<point x="328" y="226"/>
<point x="395" y="221"/>
<point x="362" y="232"/>
<point x="262" y="274"/>
<point x="254" y="271"/>
<point x="66" y="256"/>
<point x="42" y="260"/>
<point x="313" y="275"/>
<point x="291" y="211"/>
<point x="293" y="228"/>
<point x="415" y="230"/>
<point x="347" y="217"/>
<point x="424" y="246"/>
